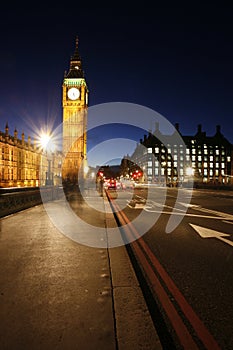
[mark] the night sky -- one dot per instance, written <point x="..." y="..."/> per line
<point x="175" y="60"/>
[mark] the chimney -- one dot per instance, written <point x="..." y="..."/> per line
<point x="177" y="126"/>
<point x="156" y="126"/>
<point x="199" y="127"/>
<point x="15" y="136"/>
<point x="22" y="138"/>
<point x="7" y="129"/>
<point x="218" y="129"/>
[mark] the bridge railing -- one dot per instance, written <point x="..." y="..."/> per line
<point x="13" y="200"/>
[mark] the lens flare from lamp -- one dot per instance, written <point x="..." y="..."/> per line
<point x="44" y="140"/>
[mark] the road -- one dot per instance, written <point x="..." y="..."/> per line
<point x="189" y="270"/>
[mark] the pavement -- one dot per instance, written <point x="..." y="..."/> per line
<point x="56" y="293"/>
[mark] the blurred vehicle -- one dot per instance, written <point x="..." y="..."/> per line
<point x="110" y="184"/>
<point x="127" y="183"/>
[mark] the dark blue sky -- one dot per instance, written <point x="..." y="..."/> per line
<point x="176" y="60"/>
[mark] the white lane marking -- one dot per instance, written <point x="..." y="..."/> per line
<point x="215" y="212"/>
<point x="152" y="204"/>
<point x="208" y="233"/>
<point x="227" y="222"/>
<point x="178" y="213"/>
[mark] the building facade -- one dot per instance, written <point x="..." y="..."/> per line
<point x="23" y="163"/>
<point x="199" y="158"/>
<point x="74" y="102"/>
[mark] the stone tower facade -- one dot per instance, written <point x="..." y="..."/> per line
<point x="75" y="104"/>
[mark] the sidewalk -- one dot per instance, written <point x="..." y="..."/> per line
<point x="58" y="294"/>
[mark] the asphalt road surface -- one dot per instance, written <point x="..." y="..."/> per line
<point x="186" y="257"/>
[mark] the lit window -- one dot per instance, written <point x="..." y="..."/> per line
<point x="228" y="158"/>
<point x="149" y="164"/>
<point x="156" y="149"/>
<point x="149" y="150"/>
<point x="205" y="151"/>
<point x="217" y="151"/>
<point x="187" y="151"/>
<point x="199" y="158"/>
<point x="223" y="165"/>
<point x="205" y="165"/>
<point x="211" y="158"/>
<point x="211" y="165"/>
<point x="216" y="165"/>
<point x="193" y="151"/>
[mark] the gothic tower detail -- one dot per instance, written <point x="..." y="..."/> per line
<point x="75" y="104"/>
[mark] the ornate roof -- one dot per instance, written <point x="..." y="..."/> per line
<point x="75" y="70"/>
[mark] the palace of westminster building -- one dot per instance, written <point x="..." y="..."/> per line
<point x="25" y="163"/>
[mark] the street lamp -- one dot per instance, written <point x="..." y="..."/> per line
<point x="45" y="141"/>
<point x="189" y="171"/>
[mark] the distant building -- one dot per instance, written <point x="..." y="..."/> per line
<point x="165" y="160"/>
<point x="23" y="163"/>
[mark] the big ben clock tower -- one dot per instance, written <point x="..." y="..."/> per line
<point x="75" y="102"/>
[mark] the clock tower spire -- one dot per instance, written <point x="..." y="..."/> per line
<point x="75" y="70"/>
<point x="75" y="104"/>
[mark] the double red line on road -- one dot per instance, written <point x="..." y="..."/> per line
<point x="150" y="265"/>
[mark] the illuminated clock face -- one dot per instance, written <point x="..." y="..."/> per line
<point x="73" y="93"/>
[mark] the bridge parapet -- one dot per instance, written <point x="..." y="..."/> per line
<point x="14" y="200"/>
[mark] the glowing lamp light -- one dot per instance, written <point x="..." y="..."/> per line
<point x="44" y="140"/>
<point x="86" y="169"/>
<point x="189" y="171"/>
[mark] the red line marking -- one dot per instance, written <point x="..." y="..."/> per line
<point x="199" y="327"/>
<point x="181" y="330"/>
